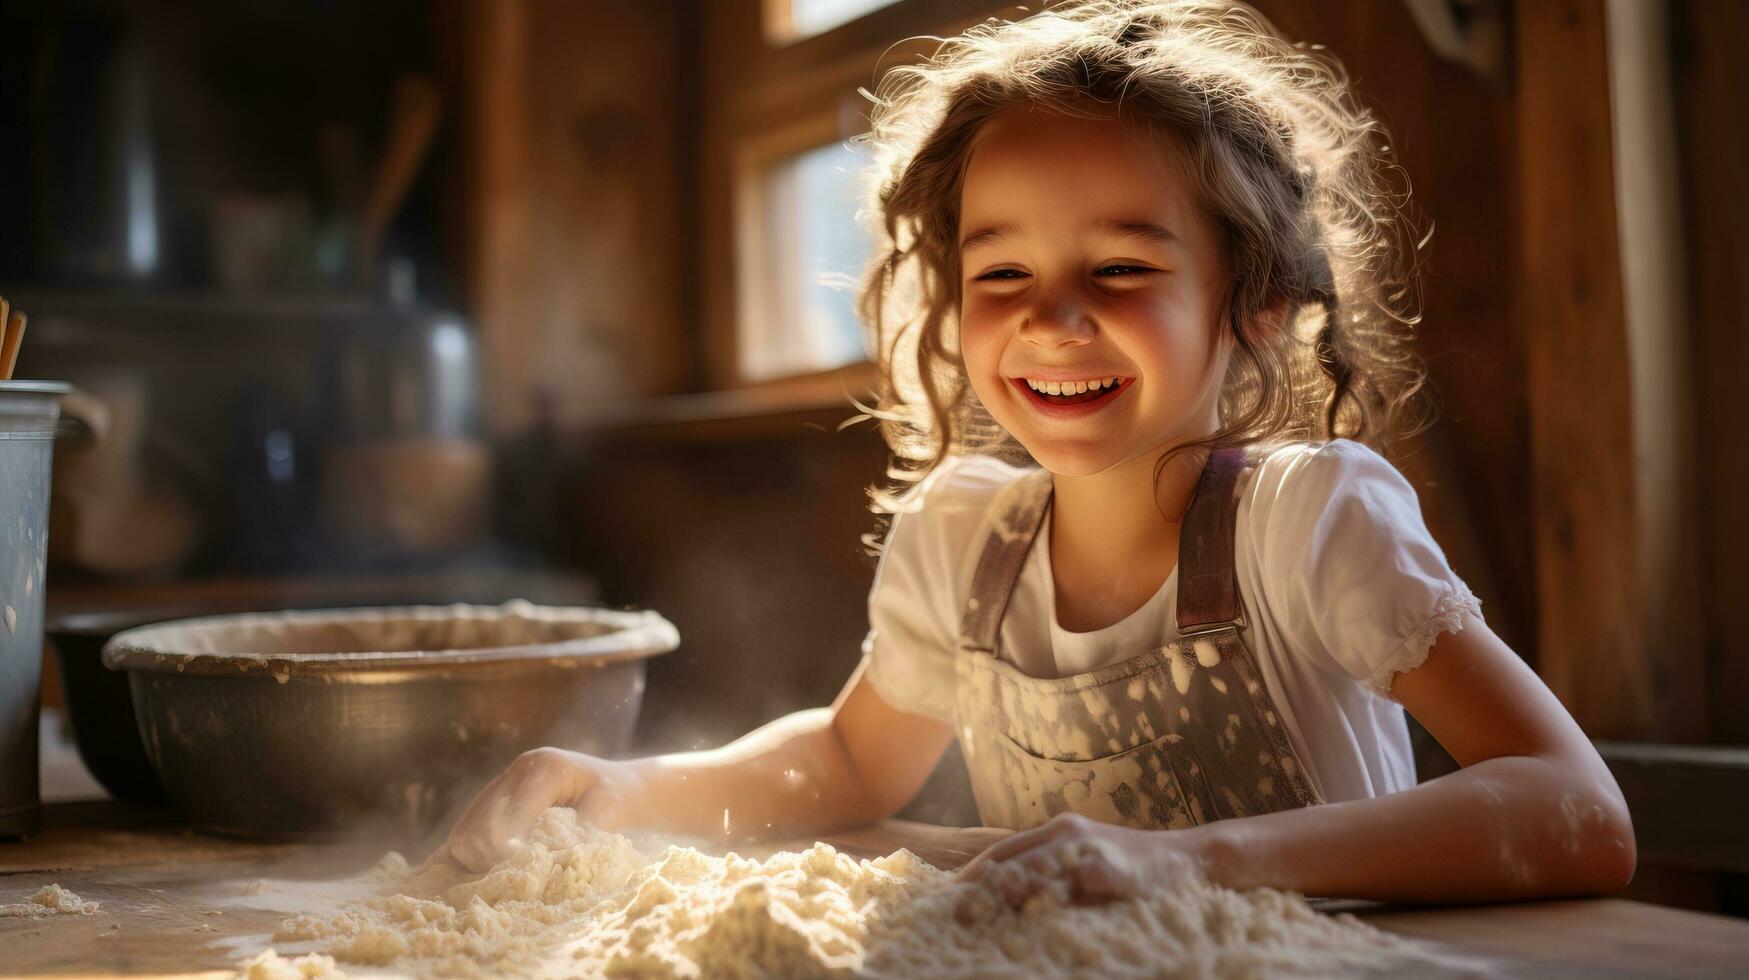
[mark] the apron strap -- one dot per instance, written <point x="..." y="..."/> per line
<point x="1019" y="511"/>
<point x="1208" y="586"/>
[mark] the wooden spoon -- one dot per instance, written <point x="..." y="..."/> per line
<point x="9" y="349"/>
<point x="11" y="335"/>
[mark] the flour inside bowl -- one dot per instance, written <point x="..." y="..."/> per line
<point x="575" y="901"/>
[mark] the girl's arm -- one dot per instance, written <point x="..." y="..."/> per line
<point x="1533" y="813"/>
<point x="806" y="773"/>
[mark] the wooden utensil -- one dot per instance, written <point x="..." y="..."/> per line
<point x="10" y="338"/>
<point x="14" y="338"/>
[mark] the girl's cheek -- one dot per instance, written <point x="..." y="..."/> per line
<point x="982" y="352"/>
<point x="980" y="347"/>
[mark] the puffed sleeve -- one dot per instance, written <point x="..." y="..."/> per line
<point x="1352" y="574"/>
<point x="914" y="604"/>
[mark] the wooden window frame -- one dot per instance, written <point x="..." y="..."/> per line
<point x="753" y="256"/>
<point x="762" y="100"/>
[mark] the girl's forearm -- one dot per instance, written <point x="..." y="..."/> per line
<point x="791" y="777"/>
<point x="1508" y="828"/>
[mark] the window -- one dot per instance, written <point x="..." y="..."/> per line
<point x="780" y="248"/>
<point x="802" y="251"/>
<point x="787" y="21"/>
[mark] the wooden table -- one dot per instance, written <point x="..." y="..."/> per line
<point x="171" y="906"/>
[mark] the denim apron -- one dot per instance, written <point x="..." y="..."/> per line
<point x="1170" y="738"/>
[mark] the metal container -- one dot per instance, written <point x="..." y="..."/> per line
<point x="317" y="724"/>
<point x="29" y="411"/>
<point x="406" y="474"/>
<point x="406" y="374"/>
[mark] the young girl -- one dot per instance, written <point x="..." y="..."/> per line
<point x="1148" y="247"/>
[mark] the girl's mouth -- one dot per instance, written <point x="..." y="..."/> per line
<point x="1071" y="405"/>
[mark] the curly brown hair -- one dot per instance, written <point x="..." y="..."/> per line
<point x="1292" y="172"/>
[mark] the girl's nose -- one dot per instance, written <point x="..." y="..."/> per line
<point x="1057" y="324"/>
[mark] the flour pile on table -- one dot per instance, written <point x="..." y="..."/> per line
<point x="49" y="900"/>
<point x="575" y="901"/>
<point x="501" y="921"/>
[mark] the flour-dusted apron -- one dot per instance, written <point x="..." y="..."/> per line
<point x="1170" y="738"/>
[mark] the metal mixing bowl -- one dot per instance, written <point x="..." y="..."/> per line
<point x="301" y="725"/>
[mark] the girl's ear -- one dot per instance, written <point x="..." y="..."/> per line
<point x="1275" y="317"/>
<point x="1278" y="318"/>
<point x="1269" y="321"/>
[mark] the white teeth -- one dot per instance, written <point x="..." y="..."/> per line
<point x="1070" y="387"/>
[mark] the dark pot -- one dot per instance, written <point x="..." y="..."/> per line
<point x="100" y="706"/>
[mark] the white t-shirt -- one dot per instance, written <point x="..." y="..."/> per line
<point x="1342" y="587"/>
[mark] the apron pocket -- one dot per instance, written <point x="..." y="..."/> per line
<point x="1143" y="787"/>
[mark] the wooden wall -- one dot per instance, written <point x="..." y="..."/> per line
<point x="1449" y="124"/>
<point x="576" y="205"/>
<point x="1710" y="38"/>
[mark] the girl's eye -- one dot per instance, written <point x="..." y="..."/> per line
<point x="1109" y="271"/>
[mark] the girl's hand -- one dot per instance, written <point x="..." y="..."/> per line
<point x="601" y="791"/>
<point x="1072" y="859"/>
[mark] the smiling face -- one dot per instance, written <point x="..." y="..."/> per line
<point x="1084" y="258"/>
